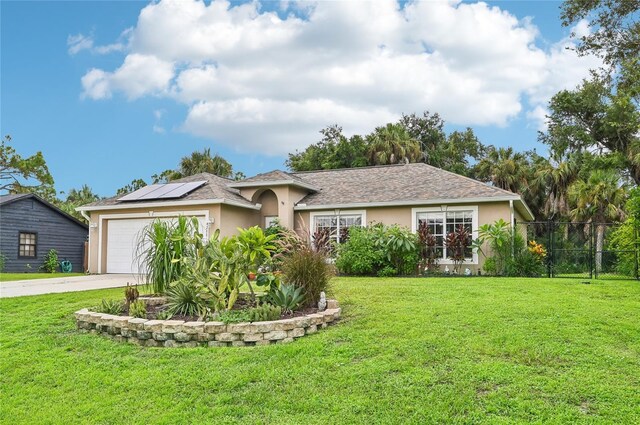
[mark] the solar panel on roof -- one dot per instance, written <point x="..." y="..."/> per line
<point x="183" y="190"/>
<point x="133" y="196"/>
<point x="162" y="191"/>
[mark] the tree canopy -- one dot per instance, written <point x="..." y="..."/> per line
<point x="195" y="163"/>
<point x="614" y="28"/>
<point x="23" y="175"/>
<point x="412" y="139"/>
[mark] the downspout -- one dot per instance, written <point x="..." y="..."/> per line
<point x="86" y="217"/>
<point x="513" y="229"/>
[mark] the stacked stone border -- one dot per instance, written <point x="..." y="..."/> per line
<point x="178" y="333"/>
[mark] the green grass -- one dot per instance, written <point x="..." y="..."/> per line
<point x="6" y="277"/>
<point x="406" y="351"/>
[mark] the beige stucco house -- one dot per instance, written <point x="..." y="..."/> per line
<point x="401" y="194"/>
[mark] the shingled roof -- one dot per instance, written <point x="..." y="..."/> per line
<point x="394" y="183"/>
<point x="275" y="177"/>
<point x="217" y="188"/>
<point x="404" y="184"/>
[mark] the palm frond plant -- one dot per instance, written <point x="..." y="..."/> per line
<point x="183" y="298"/>
<point x="163" y="248"/>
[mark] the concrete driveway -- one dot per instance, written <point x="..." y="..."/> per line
<point x="19" y="288"/>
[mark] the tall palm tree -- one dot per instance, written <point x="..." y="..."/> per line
<point x="82" y="196"/>
<point x="554" y="179"/>
<point x="76" y="198"/>
<point x="392" y="144"/>
<point x="504" y="168"/>
<point x="203" y="162"/>
<point x="598" y="200"/>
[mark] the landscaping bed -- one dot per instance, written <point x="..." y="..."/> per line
<point x="181" y="333"/>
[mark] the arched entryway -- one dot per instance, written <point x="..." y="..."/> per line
<point x="269" y="211"/>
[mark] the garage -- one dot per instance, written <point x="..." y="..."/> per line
<point x="122" y="240"/>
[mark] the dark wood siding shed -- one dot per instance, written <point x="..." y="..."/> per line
<point x="54" y="229"/>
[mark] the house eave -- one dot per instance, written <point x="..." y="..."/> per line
<point x="305" y="207"/>
<point x="123" y="206"/>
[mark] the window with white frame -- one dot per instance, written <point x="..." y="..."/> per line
<point x="441" y="223"/>
<point x="336" y="225"/>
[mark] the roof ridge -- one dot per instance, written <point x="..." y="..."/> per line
<point x="203" y="173"/>
<point x="472" y="179"/>
<point x="366" y="167"/>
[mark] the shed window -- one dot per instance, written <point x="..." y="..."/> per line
<point x="27" y="245"/>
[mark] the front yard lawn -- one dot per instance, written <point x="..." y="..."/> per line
<point x="7" y="277"/>
<point x="406" y="351"/>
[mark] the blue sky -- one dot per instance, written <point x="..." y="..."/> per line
<point x="245" y="98"/>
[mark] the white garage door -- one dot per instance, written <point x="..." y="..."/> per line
<point x="122" y="240"/>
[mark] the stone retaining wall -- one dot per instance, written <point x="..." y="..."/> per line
<point x="177" y="333"/>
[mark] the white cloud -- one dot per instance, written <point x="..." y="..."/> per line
<point x="158" y="129"/>
<point x="564" y="70"/>
<point x="138" y="76"/>
<point x="253" y="80"/>
<point x="80" y="42"/>
<point x="158" y="114"/>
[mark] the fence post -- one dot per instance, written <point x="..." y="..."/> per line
<point x="550" y="253"/>
<point x="592" y="272"/>
<point x="635" y="248"/>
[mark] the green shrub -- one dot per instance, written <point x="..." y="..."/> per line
<point x="256" y="247"/>
<point x="182" y="298"/>
<point x="359" y="254"/>
<point x="265" y="313"/>
<point x="624" y="240"/>
<point x="288" y="297"/>
<point x="50" y="264"/>
<point x="111" y="307"/>
<point x="490" y="266"/>
<point x="310" y="271"/>
<point x="164" y="315"/>
<point x="268" y="281"/>
<point x="275" y="228"/>
<point x="233" y="316"/>
<point x="371" y="249"/>
<point x="138" y="309"/>
<point x="3" y="261"/>
<point x="524" y="264"/>
<point x="509" y="253"/>
<point x="387" y="271"/>
<point x="400" y="246"/>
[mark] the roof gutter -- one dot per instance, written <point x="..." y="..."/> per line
<point x="125" y="206"/>
<point x="305" y="207"/>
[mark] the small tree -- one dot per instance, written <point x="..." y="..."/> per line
<point x="457" y="243"/>
<point x="428" y="249"/>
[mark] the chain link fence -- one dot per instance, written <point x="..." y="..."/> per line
<point x="586" y="250"/>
